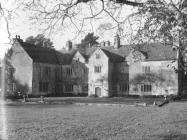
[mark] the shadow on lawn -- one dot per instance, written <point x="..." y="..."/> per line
<point x="171" y="136"/>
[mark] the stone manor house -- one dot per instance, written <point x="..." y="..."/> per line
<point x="103" y="70"/>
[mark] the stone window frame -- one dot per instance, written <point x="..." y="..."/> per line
<point x="97" y="56"/>
<point x="47" y="70"/>
<point x="146" y="69"/>
<point x="43" y="86"/>
<point x="146" y="87"/>
<point x="124" y="87"/>
<point x="69" y="88"/>
<point x="69" y="71"/>
<point x="97" y="69"/>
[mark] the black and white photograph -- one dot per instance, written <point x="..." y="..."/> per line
<point x="93" y="69"/>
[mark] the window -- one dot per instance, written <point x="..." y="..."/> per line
<point x="11" y="72"/>
<point x="85" y="87"/>
<point x="146" y="88"/>
<point x="85" y="70"/>
<point x="124" y="87"/>
<point x="185" y="57"/>
<point x="98" y="56"/>
<point x="43" y="86"/>
<point x="69" y="71"/>
<point x="57" y="74"/>
<point x="69" y="88"/>
<point x="47" y="71"/>
<point x="97" y="69"/>
<point x="12" y="87"/>
<point x="146" y="69"/>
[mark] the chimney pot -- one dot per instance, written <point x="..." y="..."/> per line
<point x="102" y="44"/>
<point x="107" y="43"/>
<point x="69" y="45"/>
<point x="116" y="41"/>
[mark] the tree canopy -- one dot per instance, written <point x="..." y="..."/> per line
<point x="165" y="21"/>
<point x="40" y="40"/>
<point x="89" y="40"/>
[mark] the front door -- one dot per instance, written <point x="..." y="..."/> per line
<point x="98" y="91"/>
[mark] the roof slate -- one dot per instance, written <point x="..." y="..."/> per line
<point x="65" y="58"/>
<point x="157" y="52"/>
<point x="152" y="52"/>
<point x="40" y="54"/>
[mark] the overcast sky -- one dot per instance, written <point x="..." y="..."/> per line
<point x="20" y="25"/>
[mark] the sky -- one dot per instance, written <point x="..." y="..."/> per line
<point x="21" y="25"/>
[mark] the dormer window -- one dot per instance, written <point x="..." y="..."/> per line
<point x="98" y="56"/>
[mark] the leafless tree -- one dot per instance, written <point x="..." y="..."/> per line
<point x="63" y="13"/>
<point x="5" y="14"/>
<point x="159" y="20"/>
<point x="158" y="16"/>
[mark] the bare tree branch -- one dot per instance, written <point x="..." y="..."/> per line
<point x="2" y="15"/>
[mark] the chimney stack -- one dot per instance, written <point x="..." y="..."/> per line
<point x="116" y="41"/>
<point x="18" y="38"/>
<point x="107" y="43"/>
<point x="69" y="45"/>
<point x="102" y="44"/>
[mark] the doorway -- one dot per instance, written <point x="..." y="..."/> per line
<point x="98" y="91"/>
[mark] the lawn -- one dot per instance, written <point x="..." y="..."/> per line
<point x="95" y="122"/>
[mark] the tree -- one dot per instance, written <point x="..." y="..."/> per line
<point x="89" y="40"/>
<point x="40" y="40"/>
<point x="157" y="14"/>
<point x="163" y="20"/>
<point x="75" y="13"/>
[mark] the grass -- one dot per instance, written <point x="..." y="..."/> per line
<point x="95" y="122"/>
<point x="114" y="100"/>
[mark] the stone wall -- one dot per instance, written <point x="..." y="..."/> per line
<point x="75" y="76"/>
<point x="22" y="64"/>
<point x="121" y="78"/>
<point x="98" y="80"/>
<point x="161" y="76"/>
<point x="44" y="79"/>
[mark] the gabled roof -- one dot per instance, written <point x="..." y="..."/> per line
<point x="87" y="52"/>
<point x="152" y="52"/>
<point x="157" y="51"/>
<point x="65" y="58"/>
<point x="123" y="51"/>
<point x="113" y="57"/>
<point x="40" y="54"/>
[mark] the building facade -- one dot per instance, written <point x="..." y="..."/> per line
<point x="102" y="71"/>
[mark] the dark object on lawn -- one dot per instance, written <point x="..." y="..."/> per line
<point x="180" y="97"/>
<point x="24" y="98"/>
<point x="163" y="103"/>
<point x="140" y="104"/>
<point x="41" y="99"/>
<point x="93" y="96"/>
